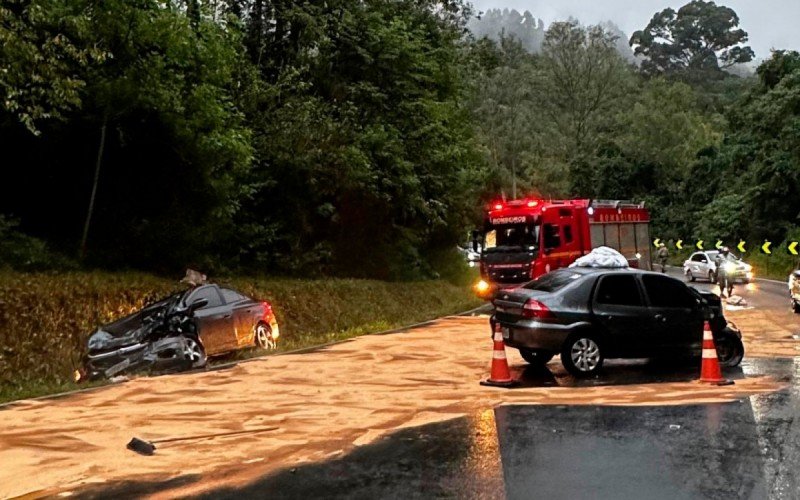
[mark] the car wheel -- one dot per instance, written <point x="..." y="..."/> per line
<point x="194" y="352"/>
<point x="711" y="277"/>
<point x="730" y="350"/>
<point x="535" y="357"/>
<point x="581" y="355"/>
<point x="264" y="338"/>
<point x="689" y="275"/>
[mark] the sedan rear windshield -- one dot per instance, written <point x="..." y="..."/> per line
<point x="553" y="281"/>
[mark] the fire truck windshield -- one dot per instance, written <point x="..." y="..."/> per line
<point x="511" y="237"/>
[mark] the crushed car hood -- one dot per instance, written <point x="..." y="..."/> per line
<point x="126" y="331"/>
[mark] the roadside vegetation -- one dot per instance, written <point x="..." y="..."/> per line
<point x="46" y="318"/>
<point x="359" y="139"/>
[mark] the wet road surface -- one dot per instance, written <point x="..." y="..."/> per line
<point x="749" y="448"/>
<point x="532" y="446"/>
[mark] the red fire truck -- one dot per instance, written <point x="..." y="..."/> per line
<point x="523" y="239"/>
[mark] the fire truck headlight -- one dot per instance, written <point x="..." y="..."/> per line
<point x="590" y="210"/>
<point x="481" y="287"/>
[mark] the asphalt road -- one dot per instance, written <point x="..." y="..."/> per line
<point x="765" y="294"/>
<point x="747" y="448"/>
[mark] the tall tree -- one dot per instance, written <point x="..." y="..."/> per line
<point x="41" y="59"/>
<point x="701" y="37"/>
<point x="582" y="78"/>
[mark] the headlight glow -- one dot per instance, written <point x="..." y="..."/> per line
<point x="730" y="267"/>
<point x="481" y="286"/>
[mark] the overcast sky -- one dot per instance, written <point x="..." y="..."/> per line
<point x="770" y="23"/>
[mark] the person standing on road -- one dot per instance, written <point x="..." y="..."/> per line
<point x="662" y="254"/>
<point x="724" y="283"/>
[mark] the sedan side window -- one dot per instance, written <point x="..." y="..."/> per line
<point x="206" y="292"/>
<point x="668" y="292"/>
<point x="699" y="258"/>
<point x="231" y="296"/>
<point x="619" y="290"/>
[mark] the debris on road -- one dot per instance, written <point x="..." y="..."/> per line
<point x="143" y="447"/>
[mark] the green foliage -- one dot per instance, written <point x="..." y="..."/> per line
<point x="722" y="218"/>
<point x="697" y="41"/>
<point x="365" y="157"/>
<point x="41" y="57"/>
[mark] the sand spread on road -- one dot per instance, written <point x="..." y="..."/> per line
<point x="770" y="333"/>
<point x="324" y="403"/>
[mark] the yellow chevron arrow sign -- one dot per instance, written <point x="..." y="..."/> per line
<point x="679" y="244"/>
<point x="699" y="245"/>
<point x="718" y="246"/>
<point x="793" y="248"/>
<point x="741" y="246"/>
<point x="657" y="242"/>
<point x="765" y="247"/>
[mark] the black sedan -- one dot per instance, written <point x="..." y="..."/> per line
<point x="588" y="314"/>
<point x="180" y="332"/>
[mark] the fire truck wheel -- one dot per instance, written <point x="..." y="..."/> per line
<point x="582" y="354"/>
<point x="536" y="357"/>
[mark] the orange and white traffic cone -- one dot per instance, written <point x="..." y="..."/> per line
<point x="501" y="375"/>
<point x="710" y="372"/>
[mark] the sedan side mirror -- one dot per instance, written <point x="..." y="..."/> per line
<point x="198" y="304"/>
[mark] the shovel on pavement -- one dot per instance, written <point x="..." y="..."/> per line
<point x="148" y="448"/>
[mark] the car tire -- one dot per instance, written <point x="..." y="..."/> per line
<point x="582" y="354"/>
<point x="690" y="276"/>
<point x="195" y="352"/>
<point x="711" y="277"/>
<point x="730" y="350"/>
<point x="535" y="357"/>
<point x="263" y="337"/>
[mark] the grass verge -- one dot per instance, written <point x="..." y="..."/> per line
<point x="45" y="318"/>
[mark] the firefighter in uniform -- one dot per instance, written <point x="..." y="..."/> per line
<point x="662" y="254"/>
<point x="725" y="285"/>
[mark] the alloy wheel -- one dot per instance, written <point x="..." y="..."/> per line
<point x="193" y="351"/>
<point x="264" y="338"/>
<point x="585" y="354"/>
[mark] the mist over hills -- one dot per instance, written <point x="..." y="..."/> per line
<point x="530" y="30"/>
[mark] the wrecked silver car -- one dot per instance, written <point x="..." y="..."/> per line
<point x="179" y="333"/>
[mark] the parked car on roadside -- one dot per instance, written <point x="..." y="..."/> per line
<point x="588" y="315"/>
<point x="702" y="265"/>
<point x="794" y="290"/>
<point x="180" y="332"/>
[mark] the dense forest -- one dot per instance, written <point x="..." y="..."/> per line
<point x="362" y="138"/>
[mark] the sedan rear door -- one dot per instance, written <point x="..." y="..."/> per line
<point x="676" y="317"/>
<point x="619" y="309"/>
<point x="245" y="316"/>
<point x="214" y="321"/>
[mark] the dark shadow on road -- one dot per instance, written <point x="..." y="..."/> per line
<point x="616" y="372"/>
<point x="456" y="458"/>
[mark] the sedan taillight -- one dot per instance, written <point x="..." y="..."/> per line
<point x="535" y="309"/>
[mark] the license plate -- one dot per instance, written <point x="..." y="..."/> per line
<point x="506" y="333"/>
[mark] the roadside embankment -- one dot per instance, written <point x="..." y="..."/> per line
<point x="45" y="318"/>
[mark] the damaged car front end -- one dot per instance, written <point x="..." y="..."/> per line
<point x="161" y="337"/>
